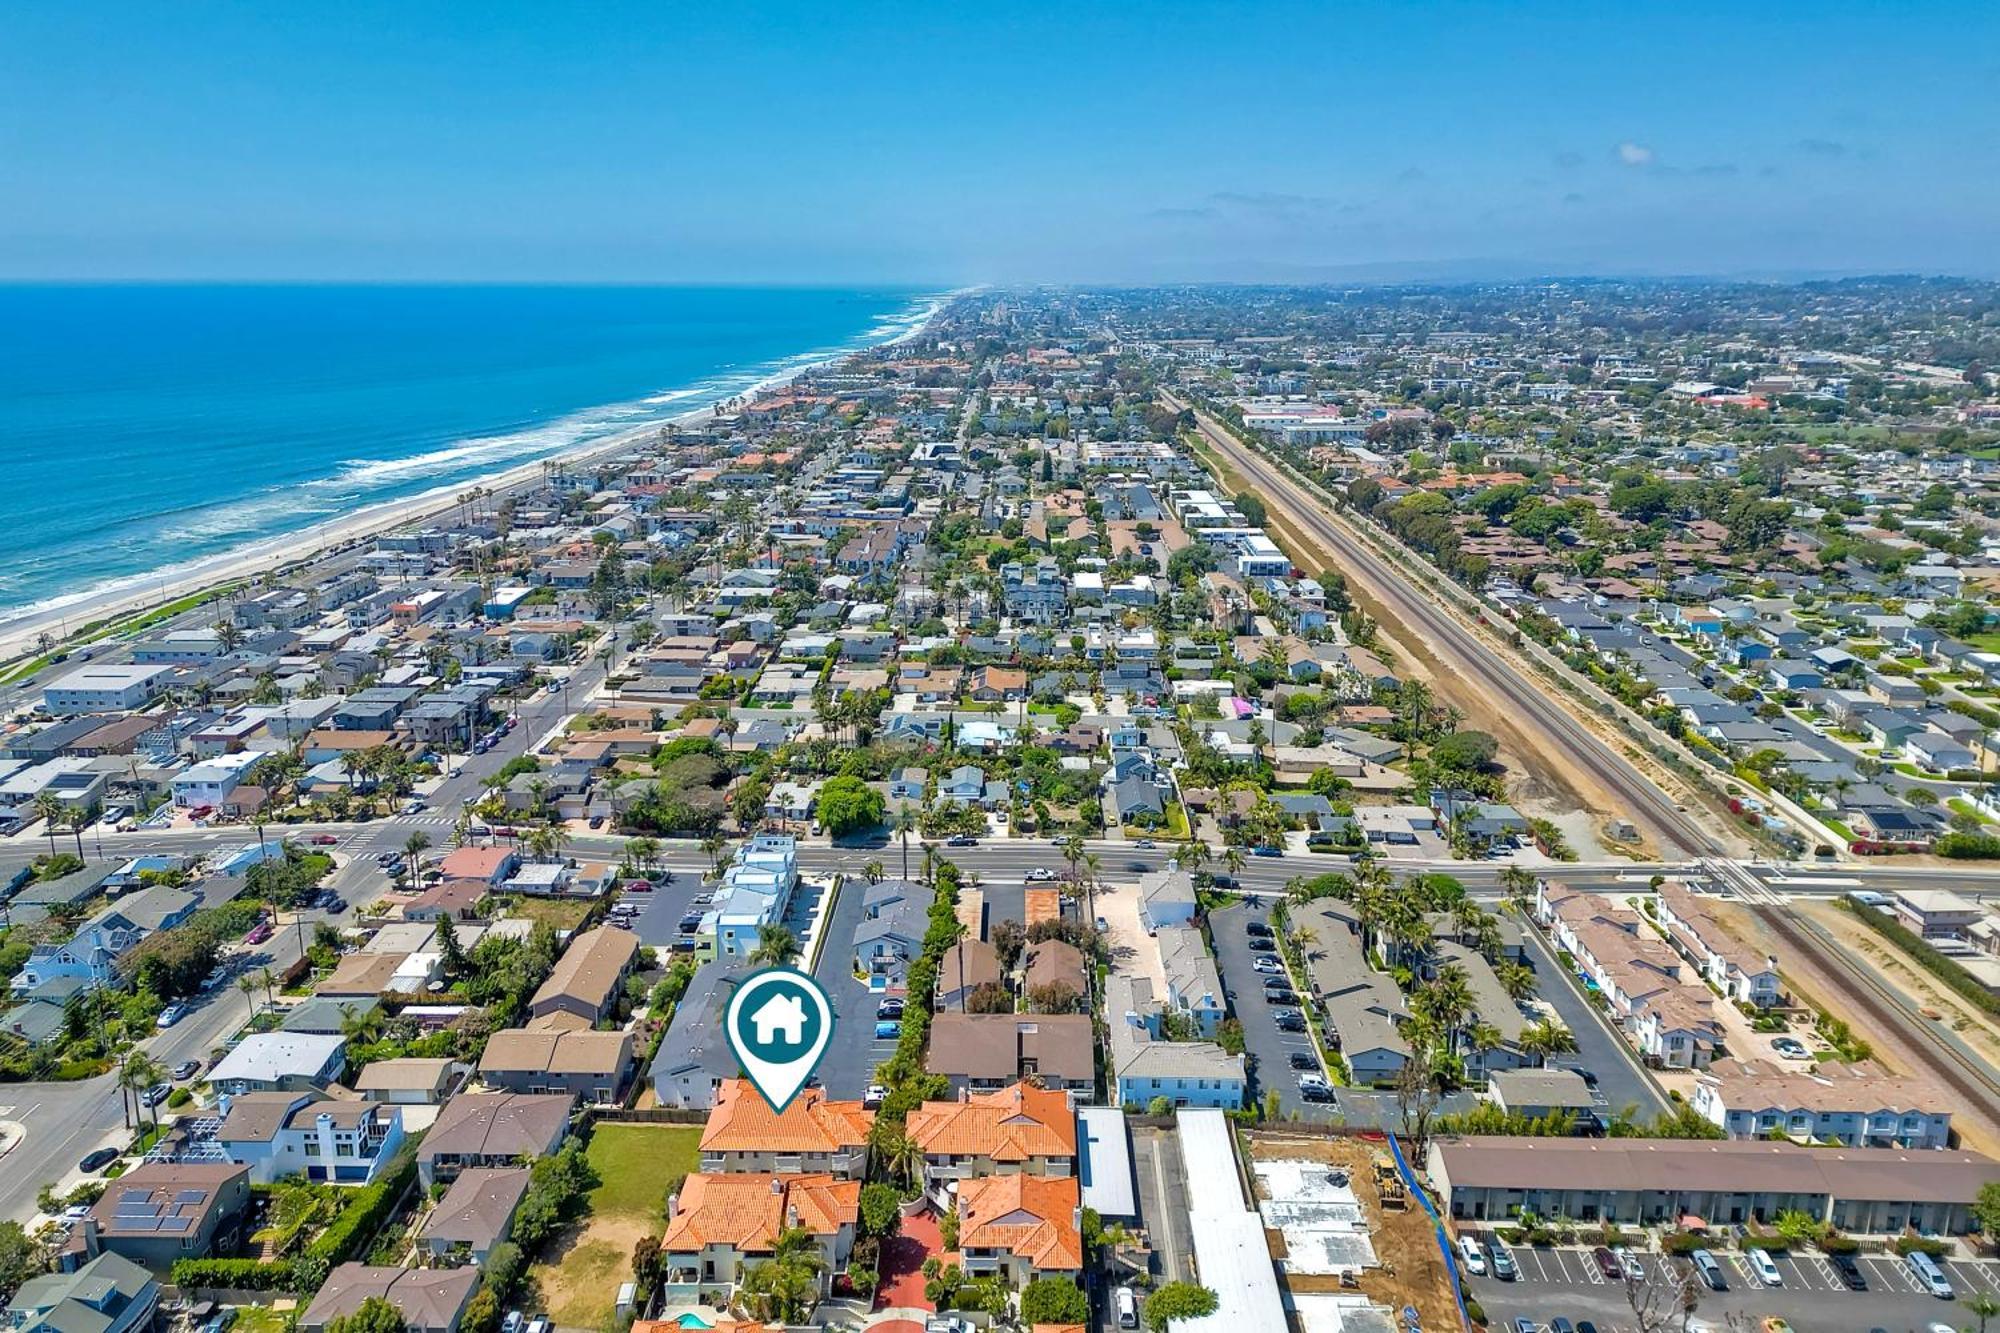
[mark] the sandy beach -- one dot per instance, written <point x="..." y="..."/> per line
<point x="20" y="636"/>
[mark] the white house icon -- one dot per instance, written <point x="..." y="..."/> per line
<point x="780" y="1013"/>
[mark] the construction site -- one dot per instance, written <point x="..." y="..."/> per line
<point x="1353" y="1250"/>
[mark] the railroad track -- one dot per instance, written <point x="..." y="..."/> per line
<point x="1531" y="705"/>
<point x="1865" y="993"/>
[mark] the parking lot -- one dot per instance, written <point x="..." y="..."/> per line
<point x="1270" y="1049"/>
<point x="1621" y="1083"/>
<point x="1566" y="1281"/>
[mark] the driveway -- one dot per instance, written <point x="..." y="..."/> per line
<point x="1601" y="1050"/>
<point x="848" y="1066"/>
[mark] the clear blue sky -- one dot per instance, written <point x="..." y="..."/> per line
<point x="945" y="142"/>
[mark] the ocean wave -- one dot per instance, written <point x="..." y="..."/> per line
<point x="232" y="529"/>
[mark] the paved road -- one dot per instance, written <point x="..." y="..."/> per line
<point x="1531" y="707"/>
<point x="848" y="1066"/>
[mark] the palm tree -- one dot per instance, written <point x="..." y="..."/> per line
<point x="1233" y="859"/>
<point x="361" y="1026"/>
<point x="711" y="847"/>
<point x="248" y="985"/>
<point x="1983" y="1307"/>
<point x="643" y="851"/>
<point x="776" y="947"/>
<point x="1518" y="884"/>
<point x="904" y="1156"/>
<point x="905" y="824"/>
<point x="76" y="817"/>
<point x="415" y="845"/>
<point x="50" y="807"/>
<point x="142" y="1071"/>
<point x="872" y="872"/>
<point x="1518" y="981"/>
<point x="1193" y="855"/>
<point x="1482" y="1037"/>
<point x="1547" y="1038"/>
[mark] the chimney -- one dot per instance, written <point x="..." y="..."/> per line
<point x="777" y="1185"/>
<point x="88" y="1227"/>
<point x="673" y="1205"/>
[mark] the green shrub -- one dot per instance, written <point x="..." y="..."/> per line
<point x="364" y="1215"/>
<point x="1770" y="1242"/>
<point x="1935" y="1248"/>
<point x="234" y="1274"/>
<point x="1682" y="1242"/>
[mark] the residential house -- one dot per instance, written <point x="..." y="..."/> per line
<point x="492" y="1129"/>
<point x="475" y="1214"/>
<point x="109" y="1294"/>
<point x="1859" y="1107"/>
<point x="718" y="1225"/>
<point x="984" y="1053"/>
<point x="1743" y="974"/>
<point x="894" y="917"/>
<point x="431" y="1300"/>
<point x="812" y="1135"/>
<point x="1019" y="1128"/>
<point x="593" y="1066"/>
<point x="161" y="1212"/>
<point x="584" y="987"/>
<point x="281" y="1062"/>
<point x="1020" y="1227"/>
<point x="280" y="1134"/>
<point x="1144" y="1066"/>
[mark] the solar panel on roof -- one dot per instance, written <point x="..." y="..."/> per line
<point x="176" y="1223"/>
<point x="190" y="1196"/>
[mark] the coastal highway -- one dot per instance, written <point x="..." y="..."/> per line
<point x="1559" y="731"/>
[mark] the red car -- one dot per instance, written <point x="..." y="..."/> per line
<point x="324" y="840"/>
<point x="258" y="935"/>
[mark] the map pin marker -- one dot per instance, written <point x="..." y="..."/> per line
<point x="779" y="1023"/>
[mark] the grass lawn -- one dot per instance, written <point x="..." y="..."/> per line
<point x="260" y="1319"/>
<point x="560" y="913"/>
<point x="1965" y="807"/>
<point x="579" y="1281"/>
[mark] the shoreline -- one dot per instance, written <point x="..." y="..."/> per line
<point x="137" y="594"/>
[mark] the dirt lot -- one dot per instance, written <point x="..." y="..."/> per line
<point x="1974" y="1028"/>
<point x="1978" y="1128"/>
<point x="578" y="1280"/>
<point x="1412" y="1271"/>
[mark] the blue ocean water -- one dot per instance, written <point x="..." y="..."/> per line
<point x="145" y="426"/>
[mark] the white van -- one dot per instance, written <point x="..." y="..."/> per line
<point x="1473" y="1257"/>
<point x="1928" y="1275"/>
<point x="1128" y="1308"/>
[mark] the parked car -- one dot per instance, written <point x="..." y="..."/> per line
<point x="888" y="1031"/>
<point x="1262" y="944"/>
<point x="1765" y="1267"/>
<point x="889" y="1008"/>
<point x="1710" y="1272"/>
<point x="1503" y="1263"/>
<point x="1607" y="1264"/>
<point x="1849" y="1271"/>
<point x="1633" y="1268"/>
<point x="1791" y="1048"/>
<point x="97" y="1161"/>
<point x="170" y="1015"/>
<point x="873" y="1094"/>
<point x="1474" y="1257"/>
<point x="1266" y="964"/>
<point x="259" y="933"/>
<point x="186" y="1070"/>
<point x="1289" y="1020"/>
<point x="1256" y="929"/>
<point x="1304" y="1060"/>
<point x="156" y="1094"/>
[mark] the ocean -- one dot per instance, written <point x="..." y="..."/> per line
<point x="145" y="426"/>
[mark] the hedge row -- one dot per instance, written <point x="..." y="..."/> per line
<point x="235" y="1275"/>
<point x="1937" y="964"/>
